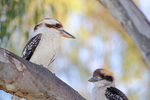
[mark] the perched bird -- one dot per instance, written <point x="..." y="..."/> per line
<point x="104" y="86"/>
<point x="45" y="42"/>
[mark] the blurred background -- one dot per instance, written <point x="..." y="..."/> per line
<point x="100" y="42"/>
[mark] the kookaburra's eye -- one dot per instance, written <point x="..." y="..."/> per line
<point x="102" y="75"/>
<point x="57" y="25"/>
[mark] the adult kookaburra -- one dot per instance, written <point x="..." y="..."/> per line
<point x="44" y="45"/>
<point x="104" y="86"/>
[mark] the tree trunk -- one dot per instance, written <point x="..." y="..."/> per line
<point x="31" y="81"/>
<point x="133" y="22"/>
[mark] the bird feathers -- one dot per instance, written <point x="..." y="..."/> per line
<point x="31" y="46"/>
<point x="113" y="93"/>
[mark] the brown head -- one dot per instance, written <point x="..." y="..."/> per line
<point x="102" y="77"/>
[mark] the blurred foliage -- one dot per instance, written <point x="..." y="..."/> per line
<point x="100" y="42"/>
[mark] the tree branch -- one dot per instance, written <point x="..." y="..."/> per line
<point x="30" y="81"/>
<point x="134" y="23"/>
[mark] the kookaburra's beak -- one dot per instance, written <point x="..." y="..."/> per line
<point x="66" y="34"/>
<point x="93" y="79"/>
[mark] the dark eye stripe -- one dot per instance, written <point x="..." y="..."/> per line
<point x="102" y="75"/>
<point x="58" y="25"/>
<point x="38" y="25"/>
<point x="109" y="78"/>
<point x="53" y="25"/>
<point x="49" y="25"/>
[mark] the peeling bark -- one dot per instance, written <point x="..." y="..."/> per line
<point x="133" y="22"/>
<point x="31" y="81"/>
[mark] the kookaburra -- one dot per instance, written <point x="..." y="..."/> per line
<point x="45" y="42"/>
<point x="104" y="86"/>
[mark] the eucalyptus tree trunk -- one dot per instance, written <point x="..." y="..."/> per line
<point x="133" y="22"/>
<point x="31" y="81"/>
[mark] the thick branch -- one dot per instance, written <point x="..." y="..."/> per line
<point x="134" y="23"/>
<point x="31" y="81"/>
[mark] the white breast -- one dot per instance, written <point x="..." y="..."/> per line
<point x="47" y="50"/>
<point x="99" y="93"/>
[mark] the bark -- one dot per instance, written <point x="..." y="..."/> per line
<point x="133" y="22"/>
<point x="31" y="81"/>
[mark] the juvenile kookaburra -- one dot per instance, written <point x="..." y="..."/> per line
<point x="44" y="45"/>
<point x="104" y="86"/>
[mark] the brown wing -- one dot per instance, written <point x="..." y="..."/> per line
<point x="31" y="46"/>
<point x="113" y="93"/>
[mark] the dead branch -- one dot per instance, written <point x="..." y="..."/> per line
<point x="30" y="81"/>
